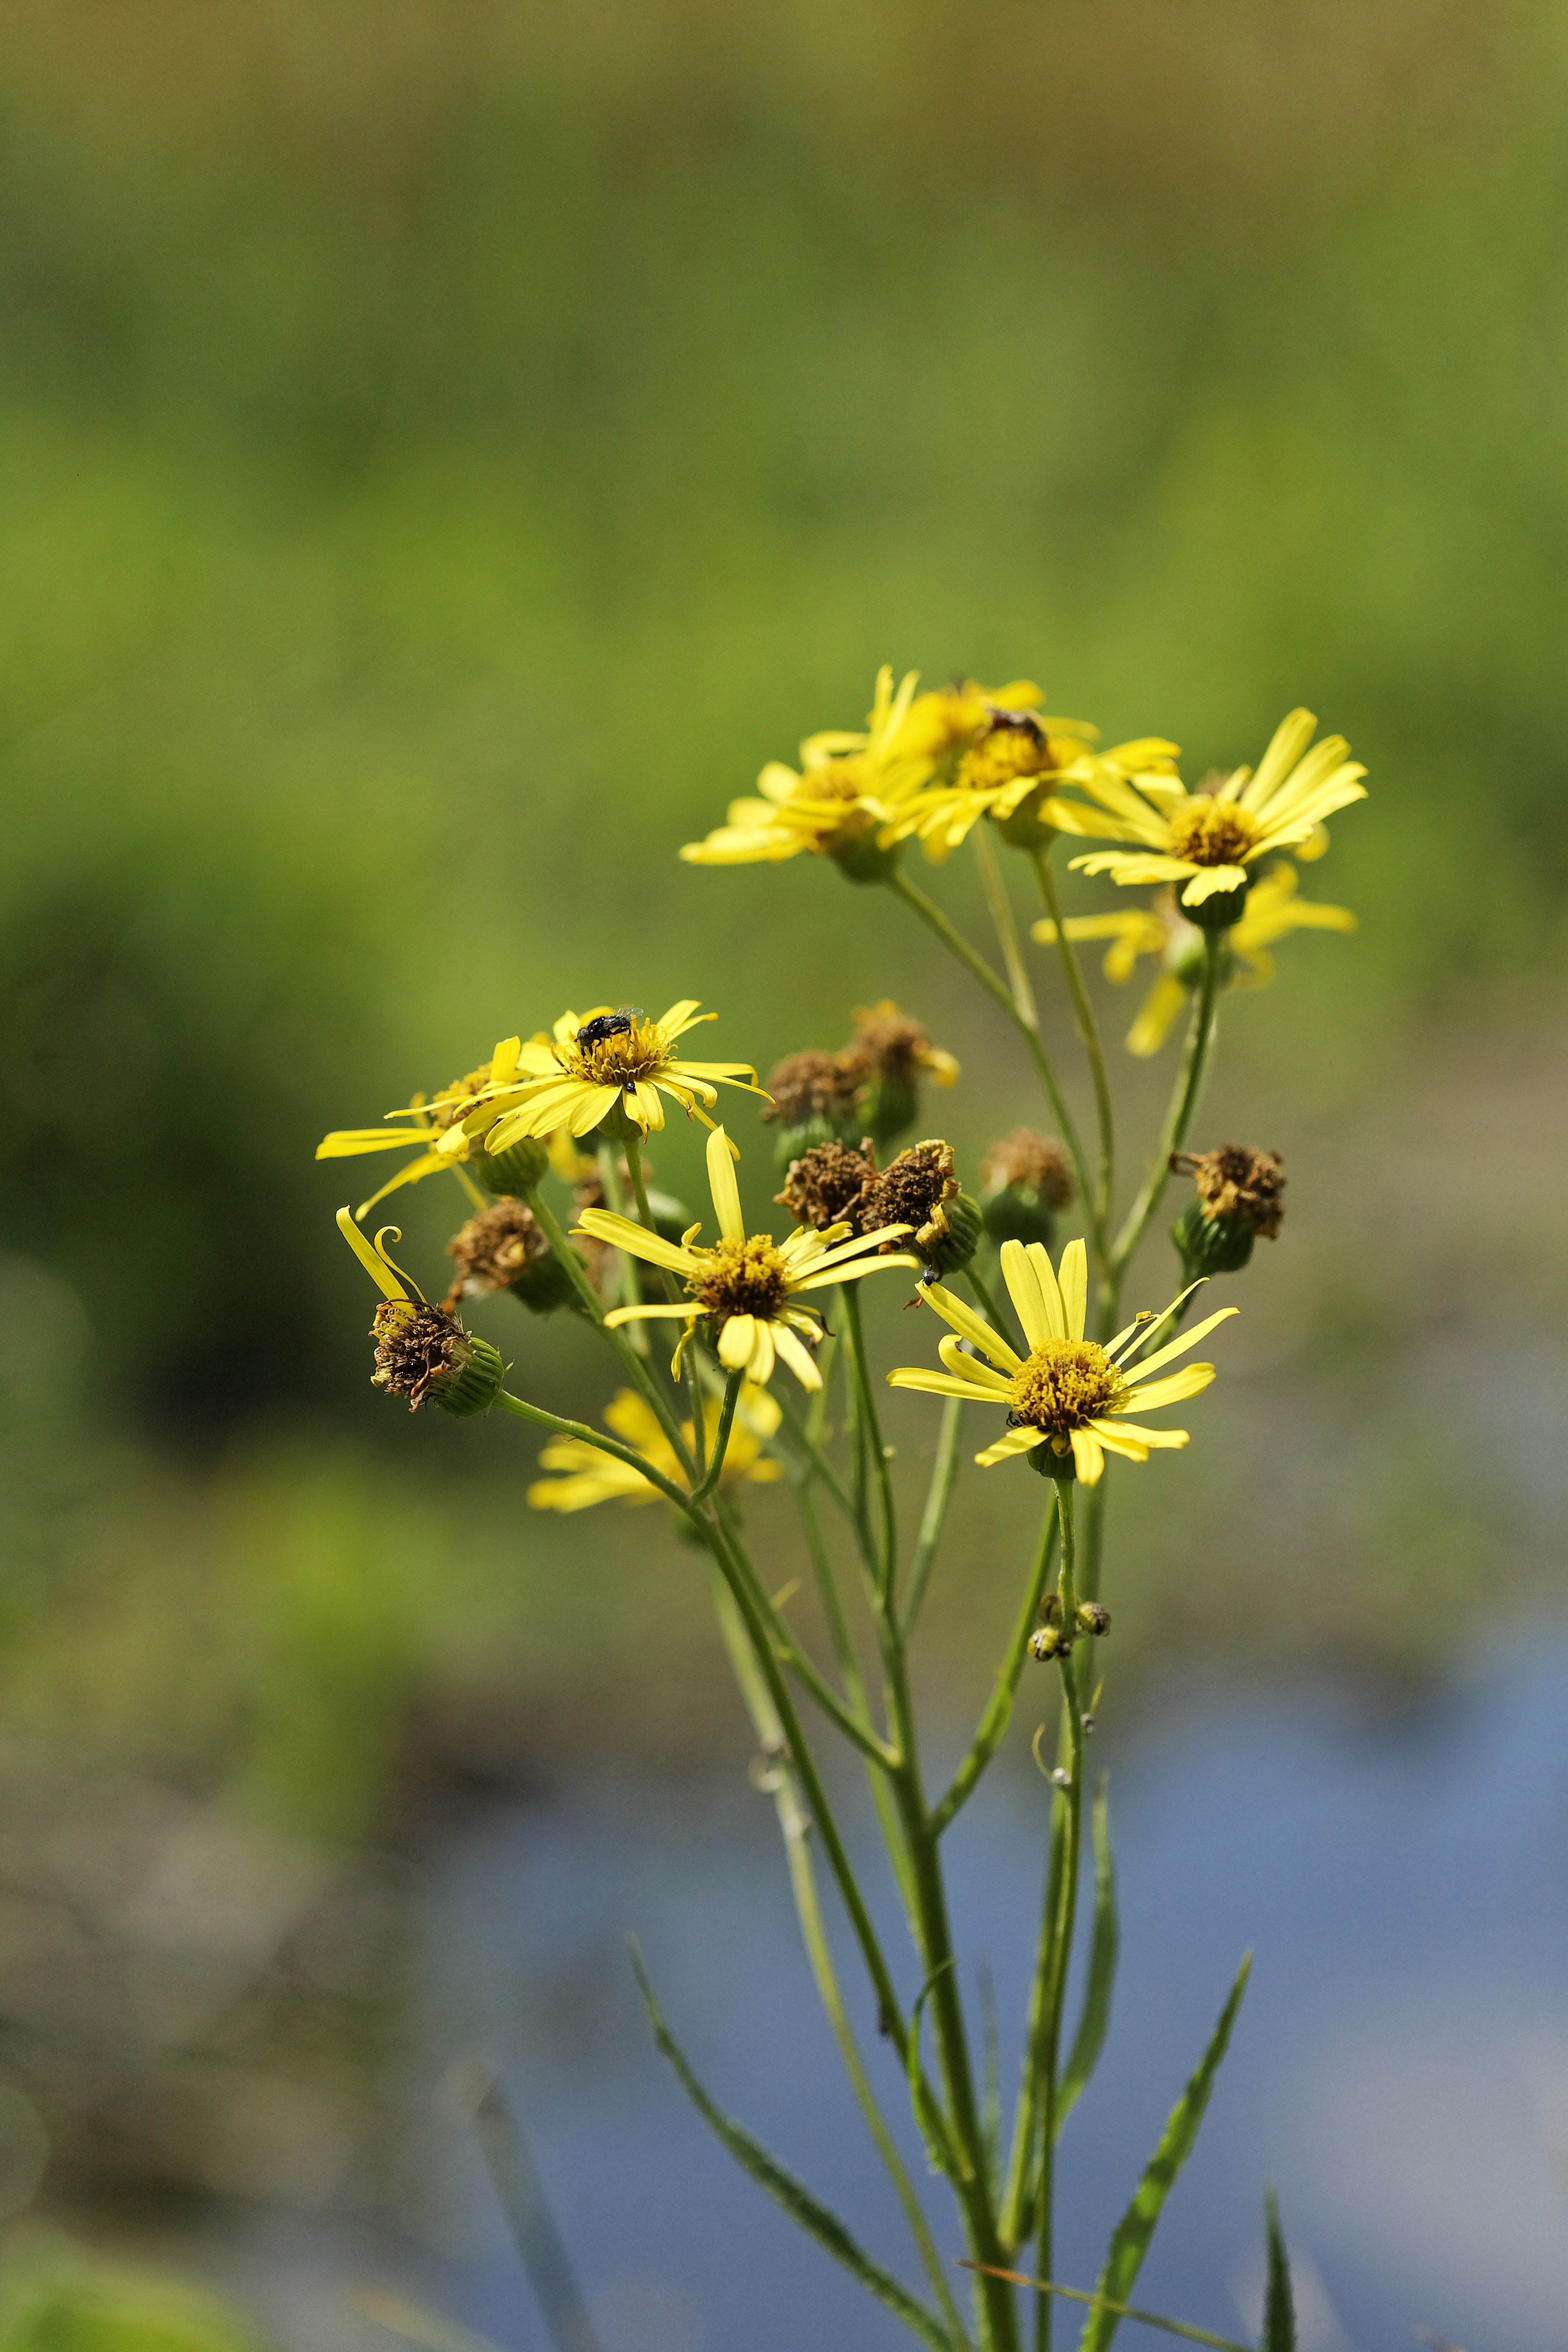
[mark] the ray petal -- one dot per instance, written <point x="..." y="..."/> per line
<point x="1088" y="1456"/>
<point x="1073" y="1282"/>
<point x="722" y="1158"/>
<point x="736" y="1341"/>
<point x="1016" y="1442"/>
<point x="1172" y="1389"/>
<point x="1176" y="1347"/>
<point x="942" y="1384"/>
<point x="1049" y="1288"/>
<point x="623" y="1234"/>
<point x="971" y="1325"/>
<point x="970" y="1368"/>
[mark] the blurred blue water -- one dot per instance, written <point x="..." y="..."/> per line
<point x="1400" y="2068"/>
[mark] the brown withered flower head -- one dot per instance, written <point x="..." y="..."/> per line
<point x="811" y="1085"/>
<point x="890" y="1046"/>
<point x="1236" y="1184"/>
<point x="912" y="1190"/>
<point x="496" y="1249"/>
<point x="1028" y="1158"/>
<point x="416" y="1347"/>
<point x="825" y="1185"/>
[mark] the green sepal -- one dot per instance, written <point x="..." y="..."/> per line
<point x="472" y="1379"/>
<point x="1208" y="1244"/>
<point x="1026" y="829"/>
<point x="807" y="2211"/>
<point x="1104" y="1949"/>
<point x="863" y="861"/>
<point x="1019" y="1212"/>
<point x="1130" y="2240"/>
<point x="517" y="1169"/>
<point x="1220" y="911"/>
<point x="950" y="1252"/>
<point x="885" y="1108"/>
<point x="806" y="1135"/>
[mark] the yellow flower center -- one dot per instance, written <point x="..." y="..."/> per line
<point x="1064" y="1384"/>
<point x="840" y="779"/>
<point x="745" y="1277"/>
<point x="1207" y="832"/>
<point x="1004" y="755"/>
<point x="633" y="1053"/>
<point x="452" y="1102"/>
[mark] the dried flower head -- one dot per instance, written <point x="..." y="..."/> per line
<point x="1032" y="1161"/>
<point x="888" y="1044"/>
<point x="824" y="1186"/>
<point x="495" y="1250"/>
<point x="1237" y="1186"/>
<point x="811" y="1085"/>
<point x="910" y="1193"/>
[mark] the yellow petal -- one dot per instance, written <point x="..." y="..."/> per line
<point x="1089" y="1457"/>
<point x="1160" y="1008"/>
<point x="384" y="1274"/>
<point x="1174" y="1389"/>
<point x="1025" y="1292"/>
<point x="1073" y="1281"/>
<point x="1017" y="1442"/>
<point x="1174" y="1348"/>
<point x="1049" y="1289"/>
<point x="722" y="1158"/>
<point x="970" y="1326"/>
<point x="964" y="1366"/>
<point x="798" y="1358"/>
<point x="736" y="1341"/>
<point x="942" y="1384"/>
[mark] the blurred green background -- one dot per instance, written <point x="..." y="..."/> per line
<point x="444" y="450"/>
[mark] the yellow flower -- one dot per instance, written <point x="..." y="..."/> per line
<point x="1206" y="840"/>
<point x="949" y="719"/>
<point x="1273" y="908"/>
<point x="450" y="1127"/>
<point x="847" y="791"/>
<point x="1069" y="1393"/>
<point x="745" y="1288"/>
<point x="595" y="1477"/>
<point x="599" y="1060"/>
<point x="1011" y="772"/>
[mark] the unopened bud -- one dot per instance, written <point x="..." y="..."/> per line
<point x="518" y="1169"/>
<point x="1048" y="1641"/>
<point x="1093" y="1619"/>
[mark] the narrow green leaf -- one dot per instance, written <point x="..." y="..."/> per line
<point x="1122" y="2310"/>
<point x="931" y="2122"/>
<point x="785" y="2190"/>
<point x="1130" y="2240"/>
<point x="1104" y="1948"/>
<point x="1279" y="2307"/>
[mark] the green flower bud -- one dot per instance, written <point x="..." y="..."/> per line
<point x="1219" y="912"/>
<point x="1025" y="828"/>
<point x="1049" y="1464"/>
<point x="1046" y="1642"/>
<point x="518" y="1169"/>
<point x="1093" y="1619"/>
<point x="814" y="1103"/>
<point x="862" y="861"/>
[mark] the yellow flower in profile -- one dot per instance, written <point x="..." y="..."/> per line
<point x="448" y="1129"/>
<point x="597" y="1061"/>
<point x="1067" y="1392"/>
<point x="745" y="1288"/>
<point x="589" y="1476"/>
<point x="1010" y="772"/>
<point x="949" y="718"/>
<point x="840" y="802"/>
<point x="1273" y="908"/>
<point x="1206" y="841"/>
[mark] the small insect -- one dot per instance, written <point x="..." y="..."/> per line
<point x="610" y="1025"/>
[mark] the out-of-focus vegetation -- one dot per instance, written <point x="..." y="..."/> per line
<point x="444" y="450"/>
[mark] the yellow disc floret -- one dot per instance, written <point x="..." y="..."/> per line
<point x="1209" y="832"/>
<point x="1064" y="1384"/>
<point x="744" y="1277"/>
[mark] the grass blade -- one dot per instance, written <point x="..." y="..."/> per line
<point x="1130" y="2240"/>
<point x="807" y="2211"/>
<point x="1104" y="1949"/>
<point x="1122" y="2310"/>
<point x="1279" y="2304"/>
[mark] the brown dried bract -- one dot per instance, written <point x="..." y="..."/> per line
<point x="910" y="1191"/>
<point x="1242" y="1186"/>
<point x="811" y="1085"/>
<point x="889" y="1043"/>
<point x="495" y="1249"/>
<point x="415" y="1346"/>
<point x="1026" y="1158"/>
<point x="824" y="1186"/>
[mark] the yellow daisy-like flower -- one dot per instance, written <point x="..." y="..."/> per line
<point x="1067" y="1392"/>
<point x="450" y="1127"/>
<point x="1273" y="908"/>
<point x="1206" y="841"/>
<point x="592" y="1478"/>
<point x="1010" y="772"/>
<point x="599" y="1060"/>
<point x="840" y="802"/>
<point x="949" y="718"/>
<point x="745" y="1288"/>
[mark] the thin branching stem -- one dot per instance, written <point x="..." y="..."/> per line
<point x="1098" y="1204"/>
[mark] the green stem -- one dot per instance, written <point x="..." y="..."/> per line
<point x="931" y="914"/>
<point x="795" y="1826"/>
<point x="718" y="1529"/>
<point x="711" y="1476"/>
<point x="679" y="1496"/>
<point x="939" y="1494"/>
<point x="1183" y="1103"/>
<point x="1001" y="906"/>
<point x="610" y="1178"/>
<point x="999" y="1708"/>
<point x="817" y="1467"/>
<point x="672" y="1292"/>
<point x="593" y="1306"/>
<point x="1089" y="1032"/>
<point x="878" y="1453"/>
